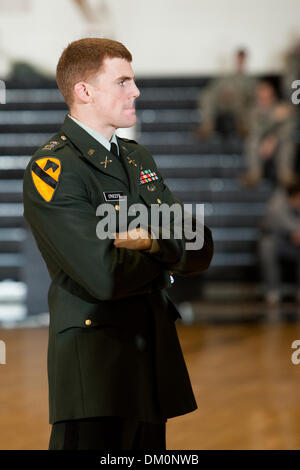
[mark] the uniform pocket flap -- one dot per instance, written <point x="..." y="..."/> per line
<point x="151" y="193"/>
<point x="73" y="319"/>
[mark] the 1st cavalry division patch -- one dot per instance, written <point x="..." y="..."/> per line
<point x="45" y="174"/>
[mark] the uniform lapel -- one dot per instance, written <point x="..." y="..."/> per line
<point x="132" y="163"/>
<point x="93" y="151"/>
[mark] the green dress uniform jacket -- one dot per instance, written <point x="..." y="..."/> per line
<point x="113" y="347"/>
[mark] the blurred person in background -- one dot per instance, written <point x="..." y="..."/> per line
<point x="225" y="101"/>
<point x="270" y="144"/>
<point x="291" y="70"/>
<point x="280" y="240"/>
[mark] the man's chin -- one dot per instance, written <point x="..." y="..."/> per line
<point x="127" y="123"/>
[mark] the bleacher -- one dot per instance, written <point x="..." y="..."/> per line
<point x="197" y="172"/>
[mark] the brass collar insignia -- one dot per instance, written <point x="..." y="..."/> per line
<point x="106" y="162"/>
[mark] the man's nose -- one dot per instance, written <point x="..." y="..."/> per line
<point x="135" y="91"/>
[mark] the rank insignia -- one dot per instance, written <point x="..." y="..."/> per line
<point x="45" y="174"/>
<point x="146" y="176"/>
<point x="50" y="145"/>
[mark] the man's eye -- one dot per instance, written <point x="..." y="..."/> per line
<point x="122" y="82"/>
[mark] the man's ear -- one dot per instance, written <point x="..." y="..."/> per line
<point x="82" y="92"/>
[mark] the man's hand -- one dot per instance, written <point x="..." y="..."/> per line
<point x="135" y="239"/>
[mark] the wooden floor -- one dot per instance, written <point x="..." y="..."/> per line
<point x="246" y="386"/>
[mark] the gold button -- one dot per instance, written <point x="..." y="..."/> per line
<point x="88" y="322"/>
<point x="117" y="207"/>
<point x="63" y="137"/>
<point x="159" y="201"/>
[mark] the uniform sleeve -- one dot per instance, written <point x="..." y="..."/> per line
<point x="172" y="251"/>
<point x="66" y="228"/>
<point x="192" y="261"/>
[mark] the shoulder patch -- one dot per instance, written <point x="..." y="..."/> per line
<point x="45" y="173"/>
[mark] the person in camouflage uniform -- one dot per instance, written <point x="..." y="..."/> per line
<point x="270" y="140"/>
<point x="291" y="70"/>
<point x="224" y="103"/>
<point x="280" y="239"/>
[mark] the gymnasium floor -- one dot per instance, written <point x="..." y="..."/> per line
<point x="246" y="386"/>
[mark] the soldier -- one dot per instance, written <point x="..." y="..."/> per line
<point x="280" y="239"/>
<point x="115" y="367"/>
<point x="291" y="70"/>
<point x="272" y="125"/>
<point x="224" y="103"/>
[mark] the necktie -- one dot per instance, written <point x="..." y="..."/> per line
<point x="114" y="149"/>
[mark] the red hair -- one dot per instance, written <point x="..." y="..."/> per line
<point x="83" y="58"/>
